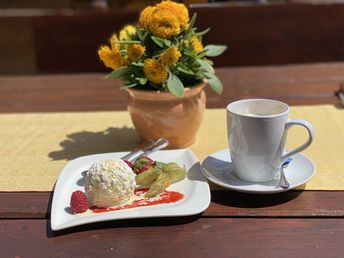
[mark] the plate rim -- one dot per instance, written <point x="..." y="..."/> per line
<point x="203" y="186"/>
<point x="216" y="181"/>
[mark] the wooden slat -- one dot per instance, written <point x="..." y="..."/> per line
<point x="294" y="84"/>
<point x="176" y="237"/>
<point x="224" y="204"/>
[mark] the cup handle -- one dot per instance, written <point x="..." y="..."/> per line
<point x="310" y="131"/>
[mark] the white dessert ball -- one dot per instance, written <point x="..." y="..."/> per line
<point x="109" y="183"/>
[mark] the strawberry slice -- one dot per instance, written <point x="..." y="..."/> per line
<point x="142" y="164"/>
<point x="131" y="165"/>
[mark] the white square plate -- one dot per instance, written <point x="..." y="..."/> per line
<point x="194" y="187"/>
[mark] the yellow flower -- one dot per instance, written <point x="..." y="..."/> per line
<point x="170" y="56"/>
<point x="164" y="24"/>
<point x="154" y="71"/>
<point x="111" y="59"/>
<point x="126" y="32"/>
<point x="178" y="10"/>
<point x="135" y="51"/>
<point x="114" y="43"/>
<point x="146" y="16"/>
<point x="196" y="44"/>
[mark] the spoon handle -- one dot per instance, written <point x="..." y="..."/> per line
<point x="159" y="145"/>
<point x="148" y="145"/>
<point x="283" y="183"/>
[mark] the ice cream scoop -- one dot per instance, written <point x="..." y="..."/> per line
<point x="109" y="183"/>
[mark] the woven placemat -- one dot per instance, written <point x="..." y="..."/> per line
<point x="35" y="147"/>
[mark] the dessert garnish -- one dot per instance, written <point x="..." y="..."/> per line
<point x="110" y="185"/>
<point x="78" y="202"/>
<point x="142" y="164"/>
<point x="157" y="175"/>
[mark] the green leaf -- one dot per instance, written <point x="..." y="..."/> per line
<point x="128" y="42"/>
<point x="167" y="43"/>
<point x="139" y="34"/>
<point x="138" y="64"/>
<point x="145" y="35"/>
<point x="214" y="82"/>
<point x="175" y="86"/>
<point x="130" y="85"/>
<point x="160" y="42"/>
<point x="192" y="21"/>
<point x="190" y="30"/>
<point x="201" y="33"/>
<point x="186" y="71"/>
<point x="214" y="50"/>
<point x="205" y="65"/>
<point x="190" y="54"/>
<point x="141" y="80"/>
<point x="119" y="72"/>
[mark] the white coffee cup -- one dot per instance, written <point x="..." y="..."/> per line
<point x="257" y="132"/>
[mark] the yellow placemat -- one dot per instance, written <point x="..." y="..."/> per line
<point x="35" y="147"/>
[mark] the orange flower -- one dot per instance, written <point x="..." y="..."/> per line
<point x="111" y="59"/>
<point x="178" y="10"/>
<point x="154" y="71"/>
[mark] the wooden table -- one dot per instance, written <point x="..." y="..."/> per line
<point x="291" y="224"/>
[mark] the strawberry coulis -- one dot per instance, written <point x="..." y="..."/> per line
<point x="164" y="197"/>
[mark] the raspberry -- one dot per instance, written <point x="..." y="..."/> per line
<point x="78" y="202"/>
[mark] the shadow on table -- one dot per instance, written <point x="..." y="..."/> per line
<point x="245" y="200"/>
<point x="339" y="106"/>
<point x="147" y="222"/>
<point x="86" y="143"/>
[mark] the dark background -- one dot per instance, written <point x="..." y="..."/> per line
<point x="62" y="36"/>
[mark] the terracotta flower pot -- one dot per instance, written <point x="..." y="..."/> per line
<point x="158" y="114"/>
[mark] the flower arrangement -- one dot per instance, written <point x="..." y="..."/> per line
<point x="162" y="52"/>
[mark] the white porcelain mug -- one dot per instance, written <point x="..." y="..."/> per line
<point x="257" y="132"/>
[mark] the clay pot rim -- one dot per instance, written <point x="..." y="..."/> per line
<point x="164" y="95"/>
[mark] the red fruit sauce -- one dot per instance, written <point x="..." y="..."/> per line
<point x="165" y="197"/>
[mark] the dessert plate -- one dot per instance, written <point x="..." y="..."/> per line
<point x="217" y="168"/>
<point x="194" y="187"/>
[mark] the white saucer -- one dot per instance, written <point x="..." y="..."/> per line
<point x="217" y="168"/>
